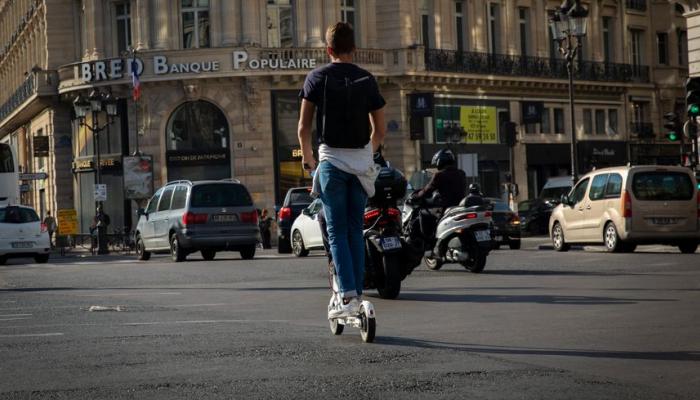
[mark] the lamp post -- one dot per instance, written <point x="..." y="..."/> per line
<point x="568" y="26"/>
<point x="94" y="104"/>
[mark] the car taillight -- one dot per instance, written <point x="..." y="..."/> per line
<point x="249" y="217"/>
<point x="488" y="214"/>
<point x="471" y="215"/>
<point x="626" y="205"/>
<point x="285" y="213"/>
<point x="44" y="228"/>
<point x="515" y="219"/>
<point x="190" y="218"/>
<point x="371" y="215"/>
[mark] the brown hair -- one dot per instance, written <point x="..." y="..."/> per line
<point x="340" y="37"/>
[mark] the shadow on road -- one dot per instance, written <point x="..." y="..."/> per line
<point x="538" y="299"/>
<point x="509" y="350"/>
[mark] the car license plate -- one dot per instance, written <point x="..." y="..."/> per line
<point x="663" y="221"/>
<point x="22" y="245"/>
<point x="225" y="218"/>
<point x="499" y="238"/>
<point x="391" y="243"/>
<point x="482" y="236"/>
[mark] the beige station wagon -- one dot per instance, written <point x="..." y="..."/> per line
<point x="622" y="207"/>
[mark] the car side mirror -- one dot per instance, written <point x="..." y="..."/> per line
<point x="565" y="200"/>
<point x="306" y="212"/>
<point x="141" y="212"/>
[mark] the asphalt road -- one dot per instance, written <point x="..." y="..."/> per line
<point x="534" y="325"/>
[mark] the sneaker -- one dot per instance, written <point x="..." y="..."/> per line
<point x="345" y="310"/>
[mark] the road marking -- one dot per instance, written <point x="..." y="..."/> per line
<point x="14" y="315"/>
<point x="12" y="319"/>
<point x="204" y="321"/>
<point x="33" y="335"/>
<point x="128" y="294"/>
<point x="200" y="305"/>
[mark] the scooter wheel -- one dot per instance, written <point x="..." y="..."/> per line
<point x="433" y="263"/>
<point x="336" y="327"/>
<point x="369" y="328"/>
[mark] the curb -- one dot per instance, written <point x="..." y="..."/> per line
<point x="551" y="247"/>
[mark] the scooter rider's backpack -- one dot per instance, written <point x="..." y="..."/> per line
<point x="345" y="111"/>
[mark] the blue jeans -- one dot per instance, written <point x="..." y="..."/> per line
<point x="344" y="206"/>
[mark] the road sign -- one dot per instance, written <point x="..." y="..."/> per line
<point x="67" y="221"/>
<point x="24" y="187"/>
<point x="37" y="176"/>
<point x="101" y="192"/>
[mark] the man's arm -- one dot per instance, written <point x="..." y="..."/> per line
<point x="304" y="132"/>
<point x="429" y="188"/>
<point x="378" y="128"/>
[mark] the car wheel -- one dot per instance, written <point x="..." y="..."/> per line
<point x="283" y="246"/>
<point x="208" y="254"/>
<point x="298" y="245"/>
<point x="688" y="248"/>
<point x="611" y="239"/>
<point x="141" y="253"/>
<point x="558" y="240"/>
<point x="177" y="253"/>
<point x="514" y="244"/>
<point x="248" y="252"/>
<point x="41" y="258"/>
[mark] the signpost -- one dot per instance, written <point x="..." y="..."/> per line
<point x="100" y="192"/>
<point x="67" y="221"/>
<point x="37" y="176"/>
<point x="480" y="124"/>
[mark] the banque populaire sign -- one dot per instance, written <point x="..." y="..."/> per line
<point x="119" y="68"/>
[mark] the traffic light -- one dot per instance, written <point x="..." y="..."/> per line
<point x="692" y="96"/>
<point x="690" y="129"/>
<point x="673" y="127"/>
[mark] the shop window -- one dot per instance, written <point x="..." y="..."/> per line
<point x="280" y="23"/>
<point x="123" y="19"/>
<point x="195" y="23"/>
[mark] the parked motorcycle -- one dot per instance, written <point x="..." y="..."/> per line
<point x="456" y="235"/>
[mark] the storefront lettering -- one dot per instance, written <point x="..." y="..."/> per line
<point x="196" y="157"/>
<point x="604" y="152"/>
<point x="242" y="60"/>
<point x="161" y="66"/>
<point x="98" y="70"/>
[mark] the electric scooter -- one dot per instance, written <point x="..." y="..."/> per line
<point x="364" y="320"/>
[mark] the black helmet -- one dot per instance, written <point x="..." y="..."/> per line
<point x="443" y="158"/>
<point x="474" y="188"/>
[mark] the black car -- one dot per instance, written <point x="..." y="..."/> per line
<point x="534" y="216"/>
<point x="297" y="199"/>
<point x="506" y="224"/>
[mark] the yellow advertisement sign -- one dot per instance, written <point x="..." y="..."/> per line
<point x="479" y="122"/>
<point x="67" y="222"/>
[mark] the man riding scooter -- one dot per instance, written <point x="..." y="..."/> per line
<point x="450" y="182"/>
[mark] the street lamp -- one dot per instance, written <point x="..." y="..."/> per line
<point x="568" y="25"/>
<point x="95" y="103"/>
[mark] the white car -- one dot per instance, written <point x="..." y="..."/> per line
<point x="22" y="234"/>
<point x="306" y="231"/>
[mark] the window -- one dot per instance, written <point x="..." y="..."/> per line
<point x="559" y="120"/>
<point x="280" y="23"/>
<point x="608" y="39"/>
<point x="530" y="128"/>
<point x="598" y="187"/>
<point x="637" y="47"/>
<point x="179" y="198"/>
<point x="7" y="163"/>
<point x="460" y="27"/>
<point x="195" y="23"/>
<point x="587" y="121"/>
<point x="579" y="191"/>
<point x="425" y="24"/>
<point x="662" y="186"/>
<point x="348" y="14"/>
<point x="612" y="122"/>
<point x="600" y="122"/>
<point x="154" y="202"/>
<point x="40" y="161"/>
<point x="682" y="46"/>
<point x="220" y="195"/>
<point x="493" y="28"/>
<point x="164" y="203"/>
<point x="553" y="45"/>
<point x="197" y="125"/>
<point x="524" y="14"/>
<point x="614" y="186"/>
<point x="545" y="126"/>
<point x="17" y="215"/>
<point x="641" y="111"/>
<point x="123" y="15"/>
<point x="662" y="47"/>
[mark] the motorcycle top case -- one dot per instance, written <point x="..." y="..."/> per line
<point x="390" y="185"/>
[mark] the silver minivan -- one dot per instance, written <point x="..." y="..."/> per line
<point x="184" y="217"/>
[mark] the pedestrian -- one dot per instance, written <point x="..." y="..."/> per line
<point x="98" y="229"/>
<point x="50" y="224"/>
<point x="350" y="120"/>
<point x="265" y="227"/>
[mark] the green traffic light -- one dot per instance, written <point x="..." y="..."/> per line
<point x="694" y="110"/>
<point x="672" y="136"/>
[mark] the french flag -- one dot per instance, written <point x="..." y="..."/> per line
<point x="135" y="83"/>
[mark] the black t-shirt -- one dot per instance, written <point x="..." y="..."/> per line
<point x="313" y="86"/>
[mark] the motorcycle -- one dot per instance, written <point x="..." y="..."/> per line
<point x="456" y="235"/>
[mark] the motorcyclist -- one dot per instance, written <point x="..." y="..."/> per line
<point x="474" y="198"/>
<point x="450" y="182"/>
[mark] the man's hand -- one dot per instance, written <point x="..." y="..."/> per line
<point x="309" y="162"/>
<point x="304" y="133"/>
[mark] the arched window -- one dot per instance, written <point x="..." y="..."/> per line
<point x="197" y="142"/>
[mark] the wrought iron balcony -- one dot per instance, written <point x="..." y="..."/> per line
<point x="638" y="5"/>
<point x="540" y="67"/>
<point x="643" y="130"/>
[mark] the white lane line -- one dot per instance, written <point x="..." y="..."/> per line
<point x="129" y="294"/>
<point x="33" y="335"/>
<point x="199" y="305"/>
<point x="15" y="315"/>
<point x="12" y="319"/>
<point x="204" y="321"/>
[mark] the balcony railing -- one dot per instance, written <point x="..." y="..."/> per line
<point x="540" y="67"/>
<point x="643" y="130"/>
<point x="638" y="5"/>
<point x="23" y="92"/>
<point x="361" y="56"/>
